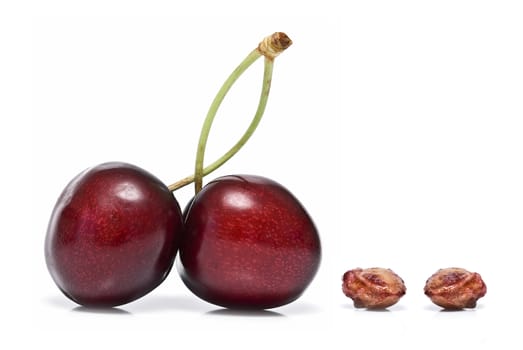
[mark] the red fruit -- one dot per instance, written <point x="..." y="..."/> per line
<point x="113" y="235"/>
<point x="248" y="243"/>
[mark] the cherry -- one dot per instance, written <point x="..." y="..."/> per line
<point x="113" y="235"/>
<point x="248" y="243"/>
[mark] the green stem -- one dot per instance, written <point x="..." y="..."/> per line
<point x="270" y="47"/>
<point x="204" y="135"/>
<point x="264" y="96"/>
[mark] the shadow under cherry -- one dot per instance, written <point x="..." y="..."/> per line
<point x="100" y="310"/>
<point x="244" y="313"/>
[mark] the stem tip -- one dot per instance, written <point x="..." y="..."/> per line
<point x="272" y="45"/>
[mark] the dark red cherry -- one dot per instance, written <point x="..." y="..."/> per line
<point x="113" y="235"/>
<point x="248" y="243"/>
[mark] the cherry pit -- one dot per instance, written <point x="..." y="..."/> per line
<point x="244" y="241"/>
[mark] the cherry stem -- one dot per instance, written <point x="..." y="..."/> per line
<point x="270" y="47"/>
<point x="245" y="137"/>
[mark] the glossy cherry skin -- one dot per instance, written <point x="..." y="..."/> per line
<point x="248" y="243"/>
<point x="113" y="235"/>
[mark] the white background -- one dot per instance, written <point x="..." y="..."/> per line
<point x="398" y="125"/>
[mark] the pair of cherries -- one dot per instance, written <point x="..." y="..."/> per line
<point x="244" y="241"/>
